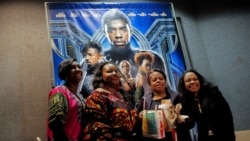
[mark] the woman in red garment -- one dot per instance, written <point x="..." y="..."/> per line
<point x="65" y="105"/>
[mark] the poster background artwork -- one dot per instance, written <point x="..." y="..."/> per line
<point x="73" y="24"/>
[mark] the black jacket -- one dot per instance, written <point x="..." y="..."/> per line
<point x="214" y="114"/>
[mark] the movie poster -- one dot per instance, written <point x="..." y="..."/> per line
<point x="147" y="29"/>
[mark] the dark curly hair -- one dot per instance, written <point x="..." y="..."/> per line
<point x="204" y="84"/>
<point x="64" y="68"/>
<point x="142" y="55"/>
<point x="156" y="70"/>
<point x="91" y="44"/>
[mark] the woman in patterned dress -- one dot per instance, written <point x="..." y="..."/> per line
<point x="107" y="115"/>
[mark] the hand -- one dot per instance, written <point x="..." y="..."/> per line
<point x="178" y="108"/>
<point x="181" y="118"/>
<point x="140" y="116"/>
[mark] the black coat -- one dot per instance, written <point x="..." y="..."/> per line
<point x="214" y="114"/>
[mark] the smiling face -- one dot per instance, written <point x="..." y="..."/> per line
<point x="118" y="33"/>
<point x="157" y="81"/>
<point x="75" y="73"/>
<point x="192" y="83"/>
<point x="110" y="75"/>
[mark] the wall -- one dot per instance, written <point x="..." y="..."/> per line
<point x="225" y="34"/>
<point x="26" y="70"/>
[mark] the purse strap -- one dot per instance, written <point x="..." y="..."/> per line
<point x="144" y="103"/>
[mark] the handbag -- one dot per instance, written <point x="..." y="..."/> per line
<point x="169" y="115"/>
<point x="152" y="123"/>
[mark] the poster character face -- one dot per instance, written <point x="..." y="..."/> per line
<point x="117" y="27"/>
<point x="118" y="33"/>
<point x="92" y="56"/>
<point x="125" y="67"/>
<point x="145" y="66"/>
<point x="144" y="60"/>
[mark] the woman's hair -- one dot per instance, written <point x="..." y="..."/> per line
<point x="140" y="56"/>
<point x="64" y="68"/>
<point x="155" y="70"/>
<point x="98" y="81"/>
<point x="203" y="82"/>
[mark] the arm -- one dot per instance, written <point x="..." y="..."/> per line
<point x="139" y="80"/>
<point x="97" y="113"/>
<point x="222" y="116"/>
<point x="139" y="92"/>
<point x="183" y="128"/>
<point x="186" y="123"/>
<point x="58" y="108"/>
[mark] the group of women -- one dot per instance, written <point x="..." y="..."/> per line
<point x="107" y="116"/>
